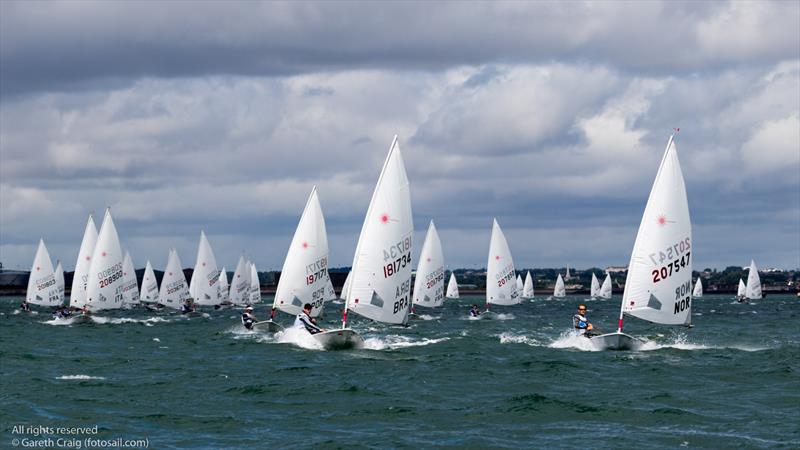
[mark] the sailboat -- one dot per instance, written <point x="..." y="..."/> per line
<point x="698" y="288"/>
<point x="304" y="277"/>
<point x="149" y="293"/>
<point x="753" y="290"/>
<point x="452" y="287"/>
<point x="429" y="283"/>
<point x="501" y="287"/>
<point x="240" y="284"/>
<point x="380" y="288"/>
<point x="595" y="289"/>
<point x="77" y="296"/>
<point x="527" y="287"/>
<point x="559" y="291"/>
<point x="130" y="287"/>
<point x="741" y="292"/>
<point x="42" y="284"/>
<point x="605" y="288"/>
<point x="204" y="287"/>
<point x="520" y="286"/>
<point x="223" y="286"/>
<point x="104" y="286"/>
<point x="174" y="290"/>
<point x="255" y="285"/>
<point x="659" y="283"/>
<point x="59" y="273"/>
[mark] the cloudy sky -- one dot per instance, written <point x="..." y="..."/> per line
<point x="551" y="117"/>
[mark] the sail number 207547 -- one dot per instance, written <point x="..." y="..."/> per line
<point x="673" y="267"/>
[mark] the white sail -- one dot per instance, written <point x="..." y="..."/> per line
<point x="605" y="288"/>
<point x="149" y="293"/>
<point x="204" y="287"/>
<point x="742" y="290"/>
<point x="255" y="285"/>
<point x="567" y="276"/>
<point x="77" y="297"/>
<point x="59" y="273"/>
<point x="346" y="285"/>
<point x="595" y="289"/>
<point x="104" y="286"/>
<point x="559" y="291"/>
<point x="130" y="287"/>
<point x="501" y="287"/>
<point x="223" y="286"/>
<point x="659" y="283"/>
<point x="527" y="287"/>
<point x="304" y="277"/>
<point x="330" y="292"/>
<point x="452" y="286"/>
<point x="42" y="284"/>
<point x="753" y="290"/>
<point x="240" y="284"/>
<point x="520" y="286"/>
<point x="380" y="288"/>
<point x="429" y="283"/>
<point x="174" y="289"/>
<point x="698" y="288"/>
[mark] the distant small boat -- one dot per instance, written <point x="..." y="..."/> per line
<point x="741" y="291"/>
<point x="452" y="287"/>
<point x="429" y="283"/>
<point x="59" y="273"/>
<point x="559" y="291"/>
<point x="149" y="292"/>
<point x="255" y="285"/>
<point x="77" y="296"/>
<point x="520" y="285"/>
<point x="130" y="287"/>
<point x="753" y="289"/>
<point x="174" y="289"/>
<point x="595" y="289"/>
<point x="698" y="288"/>
<point x="223" y="286"/>
<point x="605" y="288"/>
<point x="240" y="283"/>
<point x="659" y="284"/>
<point x="205" y="286"/>
<point x="104" y="286"/>
<point x="43" y="287"/>
<point x="501" y="286"/>
<point x="527" y="287"/>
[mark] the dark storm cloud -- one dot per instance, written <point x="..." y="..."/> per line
<point x="75" y="45"/>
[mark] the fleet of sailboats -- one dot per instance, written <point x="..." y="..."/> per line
<point x="379" y="286"/>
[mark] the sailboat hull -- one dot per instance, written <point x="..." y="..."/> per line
<point x="341" y="339"/>
<point x="616" y="341"/>
<point x="267" y="326"/>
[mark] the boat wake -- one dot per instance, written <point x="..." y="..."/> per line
<point x="511" y="338"/>
<point x="296" y="336"/>
<point x="79" y="377"/>
<point x="569" y="339"/>
<point x="393" y="342"/>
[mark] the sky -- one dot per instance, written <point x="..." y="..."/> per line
<point x="550" y="116"/>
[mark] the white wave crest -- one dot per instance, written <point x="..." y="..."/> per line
<point x="79" y="377"/>
<point x="569" y="339"/>
<point x="393" y="342"/>
<point x="511" y="338"/>
<point x="297" y="336"/>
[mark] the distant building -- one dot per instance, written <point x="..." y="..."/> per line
<point x="616" y="269"/>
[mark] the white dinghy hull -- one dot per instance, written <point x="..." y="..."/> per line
<point x="616" y="341"/>
<point x="340" y="339"/>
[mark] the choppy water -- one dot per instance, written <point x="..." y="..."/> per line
<point x="447" y="381"/>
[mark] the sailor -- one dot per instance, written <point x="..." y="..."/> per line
<point x="248" y="319"/>
<point x="304" y="320"/>
<point x="474" y="311"/>
<point x="24" y="306"/>
<point x="581" y="323"/>
<point x="187" y="306"/>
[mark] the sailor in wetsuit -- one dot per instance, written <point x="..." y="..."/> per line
<point x="24" y="306"/>
<point x="248" y="319"/>
<point x="187" y="306"/>
<point x="474" y="311"/>
<point x="581" y="323"/>
<point x="304" y="320"/>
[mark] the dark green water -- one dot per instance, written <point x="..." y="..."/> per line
<point x="733" y="381"/>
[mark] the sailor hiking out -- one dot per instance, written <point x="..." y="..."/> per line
<point x="304" y="320"/>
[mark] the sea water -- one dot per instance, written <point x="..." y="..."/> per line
<point x="518" y="380"/>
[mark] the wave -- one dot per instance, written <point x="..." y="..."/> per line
<point x="393" y="342"/>
<point x="511" y="338"/>
<point x="296" y="336"/>
<point x="79" y="377"/>
<point x="569" y="339"/>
